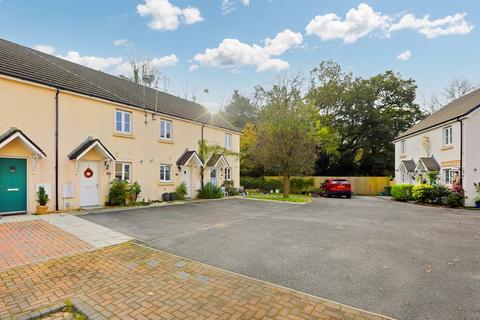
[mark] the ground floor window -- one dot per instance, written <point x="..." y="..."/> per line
<point x="123" y="171"/>
<point x="404" y="177"/>
<point x="447" y="176"/>
<point x="165" y="173"/>
<point x="228" y="174"/>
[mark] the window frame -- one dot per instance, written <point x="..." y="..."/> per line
<point x="229" y="176"/>
<point x="403" y="147"/>
<point x="228" y="141"/>
<point x="122" y="173"/>
<point x="450" y="173"/>
<point x="448" y="136"/>
<point x="163" y="171"/>
<point x="162" y="132"/>
<point x="123" y="122"/>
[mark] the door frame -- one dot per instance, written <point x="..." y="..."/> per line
<point x="80" y="175"/>
<point x="27" y="185"/>
<point x="189" y="177"/>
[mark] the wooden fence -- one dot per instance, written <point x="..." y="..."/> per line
<point x="365" y="186"/>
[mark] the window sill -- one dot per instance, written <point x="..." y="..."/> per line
<point x="449" y="147"/>
<point x="166" y="141"/>
<point x="123" y="135"/>
<point x="403" y="156"/>
<point x="166" y="184"/>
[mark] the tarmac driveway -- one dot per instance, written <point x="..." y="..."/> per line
<point x="401" y="260"/>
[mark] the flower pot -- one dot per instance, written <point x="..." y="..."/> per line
<point x="477" y="204"/>
<point x="166" y="196"/>
<point x="42" y="209"/>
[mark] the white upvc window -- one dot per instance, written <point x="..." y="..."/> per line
<point x="165" y="173"/>
<point x="123" y="171"/>
<point x="404" y="177"/>
<point x="123" y="121"/>
<point x="228" y="141"/>
<point x="165" y="129"/>
<point x="403" y="148"/>
<point x="228" y="174"/>
<point x="447" y="136"/>
<point x="447" y="176"/>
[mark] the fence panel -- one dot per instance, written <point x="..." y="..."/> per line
<point x="366" y="186"/>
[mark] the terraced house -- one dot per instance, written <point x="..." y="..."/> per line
<point x="73" y="130"/>
<point x="447" y="143"/>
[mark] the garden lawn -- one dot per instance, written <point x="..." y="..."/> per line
<point x="299" y="198"/>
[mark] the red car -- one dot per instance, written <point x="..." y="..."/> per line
<point x="336" y="187"/>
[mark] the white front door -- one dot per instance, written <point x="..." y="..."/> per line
<point x="89" y="172"/>
<point x="186" y="180"/>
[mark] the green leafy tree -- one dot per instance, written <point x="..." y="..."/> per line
<point x="240" y="110"/>
<point x="367" y="115"/>
<point x="287" y="133"/>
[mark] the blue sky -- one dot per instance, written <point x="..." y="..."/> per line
<point x="431" y="41"/>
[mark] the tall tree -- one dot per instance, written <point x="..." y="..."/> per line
<point x="457" y="88"/>
<point x="143" y="72"/>
<point x="367" y="115"/>
<point x="240" y="110"/>
<point x="287" y="132"/>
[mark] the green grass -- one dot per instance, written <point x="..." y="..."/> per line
<point x="298" y="198"/>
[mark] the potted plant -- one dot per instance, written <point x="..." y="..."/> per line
<point x="477" y="198"/>
<point x="42" y="199"/>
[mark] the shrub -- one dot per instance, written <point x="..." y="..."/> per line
<point x="298" y="185"/>
<point x="210" y="191"/>
<point x="232" y="191"/>
<point x="181" y="191"/>
<point x="251" y="182"/>
<point x="440" y="194"/>
<point x="455" y="199"/>
<point x="402" y="192"/>
<point x="271" y="185"/>
<point x="134" y="190"/>
<point x="42" y="196"/>
<point x="117" y="195"/>
<point x="422" y="193"/>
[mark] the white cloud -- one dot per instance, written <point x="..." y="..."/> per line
<point x="454" y="24"/>
<point x="122" y="43"/>
<point x="228" y="6"/>
<point x="406" y="55"/>
<point x="193" y="67"/>
<point x="93" y="62"/>
<point x="363" y="21"/>
<point x="45" y="48"/>
<point x="166" y="16"/>
<point x="166" y="61"/>
<point x="358" y="23"/>
<point x="231" y="53"/>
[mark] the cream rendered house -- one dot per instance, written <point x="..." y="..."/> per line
<point x="448" y="142"/>
<point x="73" y="130"/>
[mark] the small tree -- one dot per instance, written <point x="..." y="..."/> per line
<point x="288" y="132"/>
<point x="205" y="151"/>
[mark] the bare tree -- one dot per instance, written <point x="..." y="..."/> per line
<point x="458" y="87"/>
<point x="144" y="73"/>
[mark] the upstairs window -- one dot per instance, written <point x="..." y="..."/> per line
<point x="165" y="129"/>
<point x="123" y="121"/>
<point x="123" y="171"/>
<point x="447" y="136"/>
<point x="228" y="141"/>
<point x="403" y="148"/>
<point x="165" y="173"/>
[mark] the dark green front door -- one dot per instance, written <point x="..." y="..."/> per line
<point x="13" y="185"/>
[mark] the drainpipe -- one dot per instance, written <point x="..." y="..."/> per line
<point x="461" y="151"/>
<point x="56" y="149"/>
<point x="202" y="169"/>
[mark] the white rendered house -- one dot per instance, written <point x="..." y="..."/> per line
<point x="448" y="141"/>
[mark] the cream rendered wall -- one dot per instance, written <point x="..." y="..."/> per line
<point x="471" y="156"/>
<point x="416" y="150"/>
<point x="31" y="108"/>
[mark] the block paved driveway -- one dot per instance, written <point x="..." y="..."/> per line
<point x="401" y="260"/>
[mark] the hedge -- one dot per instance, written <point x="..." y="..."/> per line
<point x="402" y="192"/>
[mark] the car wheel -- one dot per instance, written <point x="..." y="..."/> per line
<point x="349" y="196"/>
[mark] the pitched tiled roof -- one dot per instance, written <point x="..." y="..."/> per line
<point x="430" y="164"/>
<point x="32" y="65"/>
<point x="85" y="146"/>
<point x="13" y="131"/>
<point x="409" y="165"/>
<point x="185" y="157"/>
<point x="457" y="108"/>
<point x="214" y="159"/>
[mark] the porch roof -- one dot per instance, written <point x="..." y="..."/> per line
<point x="430" y="164"/>
<point x="14" y="133"/>
<point x="216" y="158"/>
<point x="409" y="165"/>
<point x="88" y="145"/>
<point x="187" y="156"/>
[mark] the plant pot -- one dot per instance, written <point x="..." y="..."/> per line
<point x="173" y="196"/>
<point x="166" y="196"/>
<point x="477" y="204"/>
<point x="42" y="209"/>
<point x="388" y="191"/>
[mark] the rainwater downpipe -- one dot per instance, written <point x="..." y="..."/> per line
<point x="56" y="148"/>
